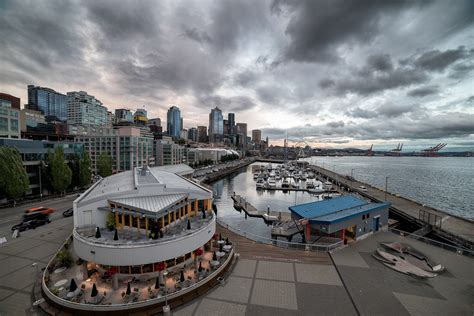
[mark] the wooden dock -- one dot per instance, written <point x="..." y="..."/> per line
<point x="455" y="228"/>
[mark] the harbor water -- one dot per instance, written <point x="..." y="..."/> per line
<point x="445" y="183"/>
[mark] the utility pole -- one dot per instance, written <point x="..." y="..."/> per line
<point x="386" y="186"/>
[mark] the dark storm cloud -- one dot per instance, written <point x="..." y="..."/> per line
<point x="229" y="104"/>
<point x="381" y="62"/>
<point x="326" y="83"/>
<point x="386" y="110"/>
<point x="196" y="35"/>
<point x="423" y="91"/>
<point x="436" y="60"/>
<point x="461" y="71"/>
<point x="317" y="28"/>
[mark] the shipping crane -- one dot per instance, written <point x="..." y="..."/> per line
<point x="397" y="151"/>
<point x="433" y="151"/>
<point x="370" y="152"/>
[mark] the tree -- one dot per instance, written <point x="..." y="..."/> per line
<point x="61" y="174"/>
<point x="104" y="165"/>
<point x="74" y="165"/>
<point x="85" y="170"/>
<point x="14" y="181"/>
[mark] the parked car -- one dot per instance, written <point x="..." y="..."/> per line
<point x="41" y="209"/>
<point x="69" y="212"/>
<point x="362" y="188"/>
<point x="35" y="215"/>
<point x="30" y="224"/>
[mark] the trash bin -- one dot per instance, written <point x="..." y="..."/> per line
<point x="345" y="241"/>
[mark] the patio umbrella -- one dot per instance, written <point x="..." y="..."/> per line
<point x="200" y="266"/>
<point x="97" y="232"/>
<point x="189" y="224"/>
<point x="129" y="290"/>
<point x="181" y="278"/>
<point x="227" y="241"/>
<point x="220" y="247"/>
<point x="157" y="283"/>
<point x="72" y="286"/>
<point x="203" y="214"/>
<point x="220" y="236"/>
<point x="94" y="291"/>
<point x="214" y="257"/>
<point x="116" y="234"/>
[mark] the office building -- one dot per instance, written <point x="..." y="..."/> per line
<point x="154" y="121"/>
<point x="10" y="101"/>
<point x="140" y="117"/>
<point x="9" y="116"/>
<point x="31" y="119"/>
<point x="216" y="125"/>
<point x="128" y="146"/>
<point x="202" y="134"/>
<point x="231" y="123"/>
<point x="110" y="119"/>
<point x="203" y="154"/>
<point x="174" y="122"/>
<point x="33" y="152"/>
<point x="241" y="131"/>
<point x="193" y="134"/>
<point x="52" y="104"/>
<point x="123" y="116"/>
<point x="256" y="136"/>
<point x="85" y="109"/>
<point x="168" y="152"/>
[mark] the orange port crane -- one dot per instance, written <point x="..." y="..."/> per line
<point x="433" y="151"/>
<point x="370" y="152"/>
<point x="397" y="151"/>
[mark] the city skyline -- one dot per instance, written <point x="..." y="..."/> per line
<point x="394" y="71"/>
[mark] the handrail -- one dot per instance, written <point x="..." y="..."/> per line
<point x="280" y="243"/>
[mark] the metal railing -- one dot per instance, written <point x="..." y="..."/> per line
<point x="459" y="250"/>
<point x="280" y="243"/>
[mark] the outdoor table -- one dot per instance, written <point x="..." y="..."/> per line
<point x="215" y="263"/>
<point x="60" y="283"/>
<point x="227" y="248"/>
<point x="220" y="254"/>
<point x="59" y="270"/>
<point x="220" y="242"/>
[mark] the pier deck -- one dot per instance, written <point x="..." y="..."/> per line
<point x="452" y="225"/>
<point x="250" y="210"/>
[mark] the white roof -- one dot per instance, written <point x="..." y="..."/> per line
<point x="180" y="169"/>
<point x="154" y="204"/>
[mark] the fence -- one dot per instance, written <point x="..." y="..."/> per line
<point x="280" y="243"/>
<point x="460" y="250"/>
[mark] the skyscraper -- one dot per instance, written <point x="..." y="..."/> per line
<point x="256" y="136"/>
<point x="231" y="122"/>
<point x="202" y="134"/>
<point x="174" y="122"/>
<point x="51" y="103"/>
<point x="241" y="131"/>
<point x="193" y="134"/>
<point x="216" y="125"/>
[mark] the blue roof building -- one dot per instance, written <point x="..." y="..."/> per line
<point x="345" y="217"/>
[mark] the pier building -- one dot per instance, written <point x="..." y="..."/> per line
<point x="345" y="217"/>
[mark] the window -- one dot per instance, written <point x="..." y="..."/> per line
<point x="363" y="216"/>
<point x="3" y="124"/>
<point x="368" y="215"/>
<point x="14" y="125"/>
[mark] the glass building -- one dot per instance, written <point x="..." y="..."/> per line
<point x="9" y="119"/>
<point x="85" y="109"/>
<point x="52" y="104"/>
<point x="216" y="125"/>
<point x="174" y="122"/>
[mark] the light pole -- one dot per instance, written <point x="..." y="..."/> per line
<point x="386" y="186"/>
<point x="352" y="178"/>
<point x="166" y="308"/>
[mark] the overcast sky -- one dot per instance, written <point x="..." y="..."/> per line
<point x="332" y="73"/>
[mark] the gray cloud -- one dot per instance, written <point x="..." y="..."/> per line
<point x="423" y="91"/>
<point x="231" y="104"/>
<point x="196" y="35"/>
<point x="437" y="60"/>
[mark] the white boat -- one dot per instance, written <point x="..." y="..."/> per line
<point x="310" y="185"/>
<point x="285" y="184"/>
<point x="271" y="182"/>
<point x="255" y="176"/>
<point x="327" y="185"/>
<point x="260" y="183"/>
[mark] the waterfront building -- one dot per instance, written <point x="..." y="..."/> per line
<point x="216" y="125"/>
<point x="168" y="152"/>
<point x="52" y="104"/>
<point x="128" y="146"/>
<point x="202" y="134"/>
<point x="256" y="136"/>
<point x="31" y="119"/>
<point x="123" y="116"/>
<point x="140" y="117"/>
<point x="193" y="134"/>
<point x="85" y="109"/>
<point x="344" y="218"/>
<point x="33" y="152"/>
<point x="174" y="122"/>
<point x="9" y="116"/>
<point x="214" y="154"/>
<point x="231" y="123"/>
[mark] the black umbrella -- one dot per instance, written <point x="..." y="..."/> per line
<point x="303" y="238"/>
<point x="129" y="290"/>
<point x="220" y="236"/>
<point x="116" y="234"/>
<point x="161" y="234"/>
<point x="157" y="283"/>
<point x="227" y="241"/>
<point x="200" y="266"/>
<point x="97" y="232"/>
<point x="181" y="278"/>
<point x="203" y="214"/>
<point x="214" y="257"/>
<point x="94" y="291"/>
<point x="220" y="247"/>
<point x="189" y="224"/>
<point x="72" y="286"/>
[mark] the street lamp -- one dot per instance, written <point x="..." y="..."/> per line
<point x="352" y="178"/>
<point x="166" y="308"/>
<point x="386" y="185"/>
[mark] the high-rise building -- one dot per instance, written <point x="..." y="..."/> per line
<point x="174" y="122"/>
<point x="241" y="131"/>
<point x="140" y="117"/>
<point x="110" y="119"/>
<point x="31" y="119"/>
<point x="231" y="120"/>
<point x="9" y="117"/>
<point x="123" y="116"/>
<point x="226" y="127"/>
<point x="193" y="134"/>
<point x="256" y="136"/>
<point x="168" y="153"/>
<point x="154" y="121"/>
<point x="52" y="104"/>
<point x="216" y="125"/>
<point x="85" y="109"/>
<point x="202" y="134"/>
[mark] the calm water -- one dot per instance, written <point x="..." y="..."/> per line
<point x="242" y="183"/>
<point x="444" y="183"/>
